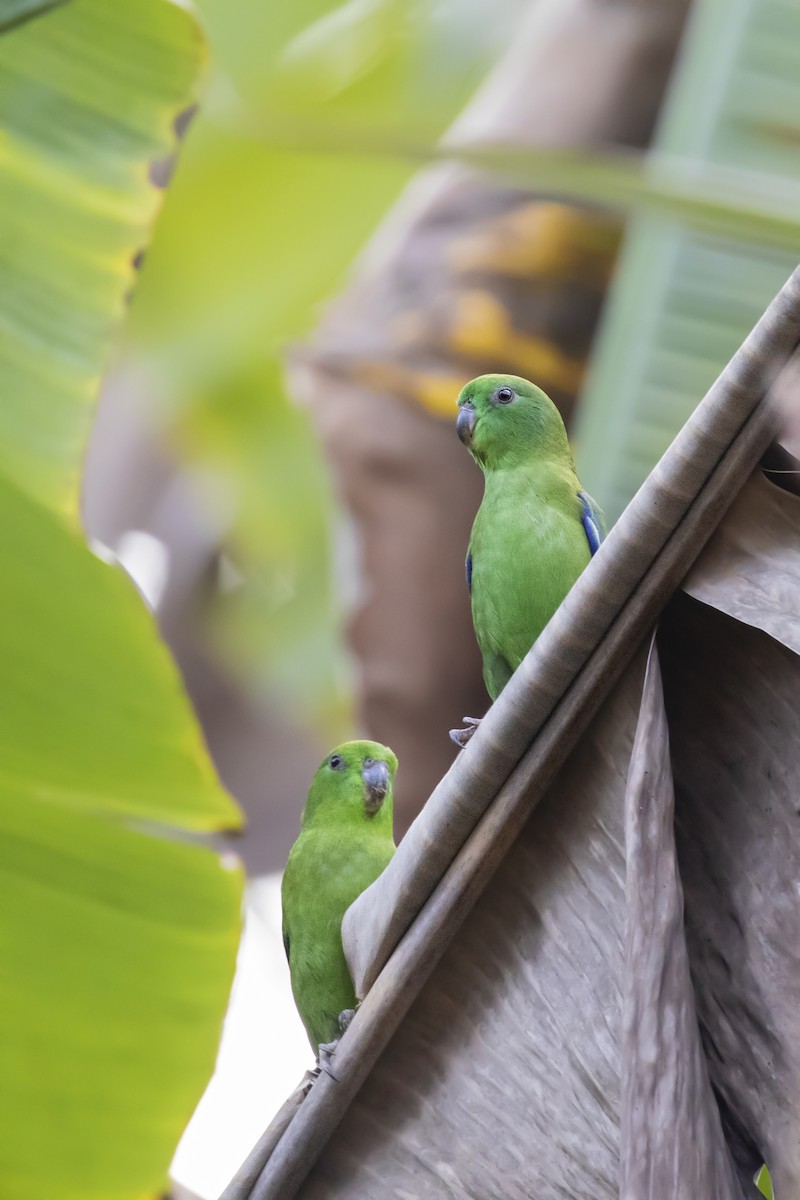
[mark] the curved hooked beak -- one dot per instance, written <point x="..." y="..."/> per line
<point x="376" y="784"/>
<point x="465" y="422"/>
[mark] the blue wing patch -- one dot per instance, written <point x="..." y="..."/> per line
<point x="592" y="521"/>
<point x="468" y="568"/>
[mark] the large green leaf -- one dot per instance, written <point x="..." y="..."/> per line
<point x="16" y="12"/>
<point x="88" y="95"/>
<point x="93" y="715"/>
<point x="117" y="950"/>
<point x="118" y="935"/>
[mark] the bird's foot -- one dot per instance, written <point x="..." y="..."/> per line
<point x="462" y="736"/>
<point x="325" y="1055"/>
<point x="328" y="1049"/>
<point x="345" y="1017"/>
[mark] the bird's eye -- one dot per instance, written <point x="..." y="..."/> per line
<point x="337" y="762"/>
<point x="504" y="395"/>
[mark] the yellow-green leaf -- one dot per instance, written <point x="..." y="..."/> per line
<point x="88" y="96"/>
<point x="16" y="12"/>
<point x="118" y="935"/>
<point x="93" y="713"/>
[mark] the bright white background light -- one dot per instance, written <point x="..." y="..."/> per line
<point x="263" y="1054"/>
<point x="146" y="559"/>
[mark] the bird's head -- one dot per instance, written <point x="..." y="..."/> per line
<point x="504" y="420"/>
<point x="353" y="784"/>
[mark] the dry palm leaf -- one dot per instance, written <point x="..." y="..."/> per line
<point x="535" y="1021"/>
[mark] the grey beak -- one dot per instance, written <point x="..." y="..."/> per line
<point x="465" y="423"/>
<point x="376" y="784"/>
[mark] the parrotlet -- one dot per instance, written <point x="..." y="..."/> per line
<point x="345" y="842"/>
<point x="536" y="528"/>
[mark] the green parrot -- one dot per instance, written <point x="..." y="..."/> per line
<point x="345" y="842"/>
<point x="535" y="530"/>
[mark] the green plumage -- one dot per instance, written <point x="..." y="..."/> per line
<point x="345" y="842"/>
<point x="529" y="541"/>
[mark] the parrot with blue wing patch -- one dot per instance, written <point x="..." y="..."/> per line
<point x="345" y="842"/>
<point x="535" y="530"/>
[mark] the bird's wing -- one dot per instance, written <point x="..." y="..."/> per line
<point x="592" y="521"/>
<point x="286" y="947"/>
<point x="468" y="569"/>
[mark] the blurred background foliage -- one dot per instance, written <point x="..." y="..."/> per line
<point x="252" y="238"/>
<point x="731" y="113"/>
<point x="311" y="121"/>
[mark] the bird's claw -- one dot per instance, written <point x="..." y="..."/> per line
<point x="345" y="1017"/>
<point x="462" y="736"/>
<point x="326" y="1050"/>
